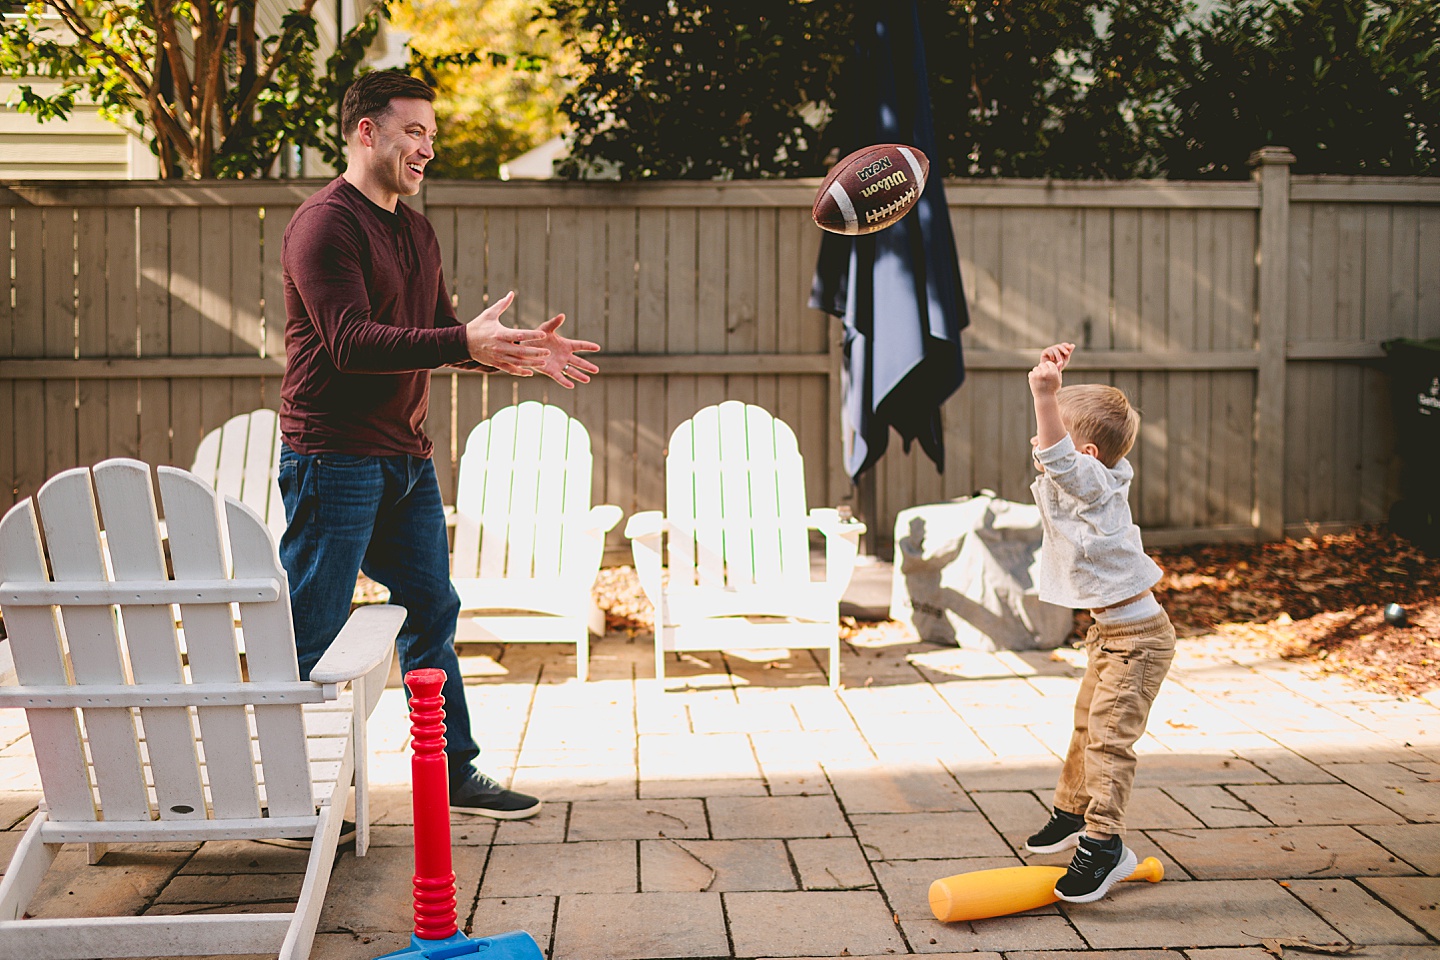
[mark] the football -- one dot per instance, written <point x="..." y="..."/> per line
<point x="871" y="189"/>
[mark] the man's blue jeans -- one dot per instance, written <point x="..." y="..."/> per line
<point x="383" y="515"/>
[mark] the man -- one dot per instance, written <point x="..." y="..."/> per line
<point x="367" y="318"/>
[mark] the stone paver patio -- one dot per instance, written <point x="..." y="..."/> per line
<point x="757" y="814"/>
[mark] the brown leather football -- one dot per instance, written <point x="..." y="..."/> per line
<point x="871" y="189"/>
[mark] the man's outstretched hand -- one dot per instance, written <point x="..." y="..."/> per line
<point x="564" y="364"/>
<point x="505" y="348"/>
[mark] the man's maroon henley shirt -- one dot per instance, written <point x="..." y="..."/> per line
<point x="367" y="317"/>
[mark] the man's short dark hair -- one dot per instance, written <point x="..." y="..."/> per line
<point x="370" y="96"/>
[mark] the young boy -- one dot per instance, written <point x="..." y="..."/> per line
<point x="1092" y="557"/>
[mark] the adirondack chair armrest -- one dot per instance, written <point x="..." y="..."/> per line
<point x="842" y="544"/>
<point x="827" y="521"/>
<point x="646" y="523"/>
<point x="451" y="517"/>
<point x="365" y="642"/>
<point x="604" y="516"/>
<point x="646" y="532"/>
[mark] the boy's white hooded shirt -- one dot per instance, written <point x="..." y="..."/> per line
<point x="1092" y="555"/>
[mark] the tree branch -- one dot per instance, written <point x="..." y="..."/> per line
<point x="209" y="106"/>
<point x="165" y="122"/>
<point x="81" y="30"/>
<point x="165" y="24"/>
<point x="262" y="79"/>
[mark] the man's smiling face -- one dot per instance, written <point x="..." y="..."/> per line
<point x="404" y="138"/>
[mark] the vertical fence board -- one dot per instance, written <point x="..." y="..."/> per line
<point x="681" y="315"/>
<point x="1125" y="280"/>
<point x="1427" y="298"/>
<point x="8" y="318"/>
<point x="122" y="329"/>
<point x="620" y="334"/>
<point x="21" y="432"/>
<point x="488" y="279"/>
<point x="272" y="276"/>
<point x="1189" y="436"/>
<point x="8" y="425"/>
<point x="469" y="268"/>
<point x="1320" y="378"/>
<point x="58" y="396"/>
<point x="767" y="281"/>
<point x="532" y="267"/>
<point x="1153" y="471"/>
<point x="153" y="331"/>
<point x="92" y="336"/>
<point x="28" y="336"/>
<point x="246" y="284"/>
<point x="814" y="324"/>
<point x="561" y="289"/>
<point x="186" y="399"/>
<point x="652" y="430"/>
<point x="29" y="469"/>
<point x="589" y="402"/>
<point x="614" y="445"/>
<point x="985" y="280"/>
<point x="1093" y="305"/>
<point x="58" y="326"/>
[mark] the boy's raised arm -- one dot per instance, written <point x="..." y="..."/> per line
<point x="1045" y="383"/>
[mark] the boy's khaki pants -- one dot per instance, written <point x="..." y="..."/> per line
<point x="1128" y="662"/>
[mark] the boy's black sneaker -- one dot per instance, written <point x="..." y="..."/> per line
<point x="1060" y="833"/>
<point x="479" y="794"/>
<point x="1098" y="866"/>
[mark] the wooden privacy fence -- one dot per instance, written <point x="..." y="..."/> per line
<point x="1243" y="318"/>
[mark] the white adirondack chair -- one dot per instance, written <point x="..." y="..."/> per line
<point x="739" y="553"/>
<point x="241" y="459"/>
<point x="124" y="726"/>
<point x="528" y="544"/>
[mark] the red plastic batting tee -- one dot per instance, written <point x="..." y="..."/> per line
<point x="430" y="789"/>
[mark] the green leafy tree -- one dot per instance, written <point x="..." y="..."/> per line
<point x="731" y="89"/>
<point x="499" y="75"/>
<point x="215" y="98"/>
<point x="1350" y="86"/>
<point x="699" y="90"/>
<point x="1114" y="109"/>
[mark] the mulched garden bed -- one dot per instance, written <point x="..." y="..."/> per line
<point x="1318" y="598"/>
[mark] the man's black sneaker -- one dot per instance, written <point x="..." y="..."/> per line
<point x="347" y="836"/>
<point x="1059" y="834"/>
<point x="478" y="794"/>
<point x="1098" y="866"/>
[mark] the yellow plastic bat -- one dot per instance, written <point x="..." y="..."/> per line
<point x="994" y="893"/>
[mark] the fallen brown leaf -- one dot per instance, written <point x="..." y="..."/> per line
<point x="1276" y="946"/>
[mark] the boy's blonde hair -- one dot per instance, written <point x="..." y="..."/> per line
<point x="1095" y="413"/>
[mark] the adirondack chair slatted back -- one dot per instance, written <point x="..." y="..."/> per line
<point x="241" y="459"/>
<point x="72" y="634"/>
<point x="735" y="500"/>
<point x="524" y="473"/>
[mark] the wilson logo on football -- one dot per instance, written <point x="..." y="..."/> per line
<point x="888" y="183"/>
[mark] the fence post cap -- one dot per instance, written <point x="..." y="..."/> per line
<point x="1266" y="155"/>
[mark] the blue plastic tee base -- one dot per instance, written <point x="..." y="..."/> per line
<point x="515" y="945"/>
